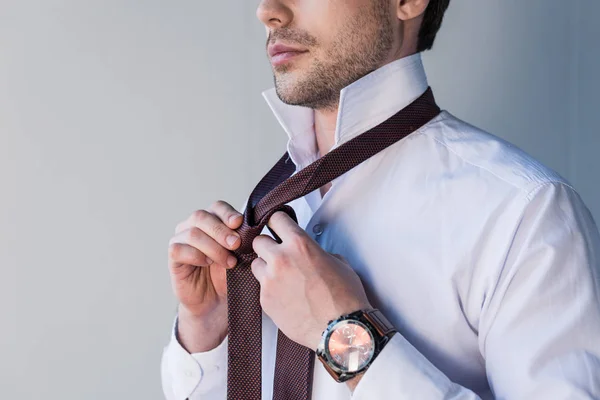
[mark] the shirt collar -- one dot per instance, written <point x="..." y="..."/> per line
<point x="364" y="104"/>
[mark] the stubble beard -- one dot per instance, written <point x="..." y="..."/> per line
<point x="361" y="46"/>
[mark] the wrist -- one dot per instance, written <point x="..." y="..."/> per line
<point x="350" y="307"/>
<point x="200" y="333"/>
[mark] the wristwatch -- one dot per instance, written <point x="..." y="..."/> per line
<point x="350" y="343"/>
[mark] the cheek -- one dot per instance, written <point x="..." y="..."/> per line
<point x="322" y="19"/>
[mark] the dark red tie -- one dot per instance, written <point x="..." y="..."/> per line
<point x="294" y="363"/>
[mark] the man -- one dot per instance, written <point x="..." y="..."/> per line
<point x="485" y="261"/>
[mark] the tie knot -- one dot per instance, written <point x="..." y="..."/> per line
<point x="248" y="232"/>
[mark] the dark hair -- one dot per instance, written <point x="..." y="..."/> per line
<point x="432" y="20"/>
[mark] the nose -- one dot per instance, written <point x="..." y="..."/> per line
<point x="274" y="14"/>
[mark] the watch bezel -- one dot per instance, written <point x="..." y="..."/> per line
<point x="333" y="363"/>
<point x="379" y="339"/>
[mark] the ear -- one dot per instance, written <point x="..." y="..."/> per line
<point x="409" y="9"/>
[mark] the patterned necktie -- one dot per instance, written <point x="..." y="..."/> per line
<point x="294" y="363"/>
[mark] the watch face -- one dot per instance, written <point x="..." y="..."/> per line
<point x="350" y="346"/>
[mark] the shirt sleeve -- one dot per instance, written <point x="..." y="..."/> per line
<point x="539" y="329"/>
<point x="193" y="376"/>
<point x="401" y="372"/>
<point x="541" y="333"/>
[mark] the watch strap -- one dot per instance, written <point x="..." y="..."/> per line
<point x="379" y="321"/>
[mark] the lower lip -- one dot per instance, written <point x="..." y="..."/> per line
<point x="281" y="58"/>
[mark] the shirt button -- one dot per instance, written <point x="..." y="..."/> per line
<point x="318" y="229"/>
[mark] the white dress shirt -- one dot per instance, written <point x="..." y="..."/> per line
<point x="485" y="260"/>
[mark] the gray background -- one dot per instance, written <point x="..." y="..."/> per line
<point x="118" y="118"/>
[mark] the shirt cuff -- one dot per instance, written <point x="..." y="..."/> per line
<point x="196" y="373"/>
<point x="401" y="372"/>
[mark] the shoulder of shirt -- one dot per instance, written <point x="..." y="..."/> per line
<point x="495" y="157"/>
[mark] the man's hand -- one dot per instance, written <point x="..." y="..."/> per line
<point x="302" y="286"/>
<point x="199" y="254"/>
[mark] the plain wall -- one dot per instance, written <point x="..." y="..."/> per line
<point x="585" y="118"/>
<point x="118" y="118"/>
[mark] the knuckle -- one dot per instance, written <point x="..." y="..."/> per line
<point x="193" y="234"/>
<point x="299" y="241"/>
<point x="220" y="204"/>
<point x="178" y="227"/>
<point x="174" y="251"/>
<point x="279" y="261"/>
<point x="199" y="215"/>
<point x="219" y="208"/>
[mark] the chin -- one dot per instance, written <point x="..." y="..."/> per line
<point x="289" y="94"/>
<point x="291" y="100"/>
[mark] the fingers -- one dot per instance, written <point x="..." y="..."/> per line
<point x="284" y="226"/>
<point x="229" y="215"/>
<point x="265" y="246"/>
<point x="224" y="211"/>
<point x="198" y="239"/>
<point x="213" y="226"/>
<point x="259" y="270"/>
<point x="184" y="254"/>
<point x="207" y="235"/>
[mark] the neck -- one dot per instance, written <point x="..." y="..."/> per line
<point x="325" y="124"/>
<point x="326" y="118"/>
